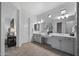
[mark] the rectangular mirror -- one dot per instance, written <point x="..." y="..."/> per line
<point x="36" y="27"/>
<point x="59" y="27"/>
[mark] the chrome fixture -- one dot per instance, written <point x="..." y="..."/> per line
<point x="49" y="15"/>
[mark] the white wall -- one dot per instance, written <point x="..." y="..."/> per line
<point x="26" y="24"/>
<point x="23" y="27"/>
<point x="70" y="9"/>
<point x="33" y="19"/>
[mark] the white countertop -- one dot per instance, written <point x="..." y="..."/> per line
<point x="61" y="35"/>
<point x="54" y="34"/>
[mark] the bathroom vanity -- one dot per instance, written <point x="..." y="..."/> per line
<point x="59" y="32"/>
<point x="62" y="42"/>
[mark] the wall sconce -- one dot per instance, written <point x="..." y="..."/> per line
<point x="49" y="16"/>
<point x="41" y="21"/>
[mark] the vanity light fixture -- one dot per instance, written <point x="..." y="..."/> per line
<point x="63" y="12"/>
<point x="63" y="15"/>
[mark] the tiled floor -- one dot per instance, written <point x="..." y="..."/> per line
<point x="33" y="49"/>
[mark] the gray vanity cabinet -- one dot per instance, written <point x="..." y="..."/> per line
<point x="37" y="38"/>
<point x="67" y="45"/>
<point x="62" y="43"/>
<point x="34" y="37"/>
<point x="54" y="42"/>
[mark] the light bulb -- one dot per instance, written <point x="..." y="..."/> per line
<point x="66" y="15"/>
<point x="49" y="16"/>
<point x="59" y="17"/>
<point x="39" y="22"/>
<point x="62" y="17"/>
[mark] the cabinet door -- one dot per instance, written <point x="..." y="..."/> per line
<point x="34" y="37"/>
<point x="55" y="42"/>
<point x="38" y="38"/>
<point x="67" y="45"/>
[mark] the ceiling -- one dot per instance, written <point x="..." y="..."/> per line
<point x="35" y="8"/>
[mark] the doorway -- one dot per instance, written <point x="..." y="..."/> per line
<point x="12" y="40"/>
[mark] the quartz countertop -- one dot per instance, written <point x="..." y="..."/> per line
<point x="61" y="35"/>
<point x="54" y="34"/>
